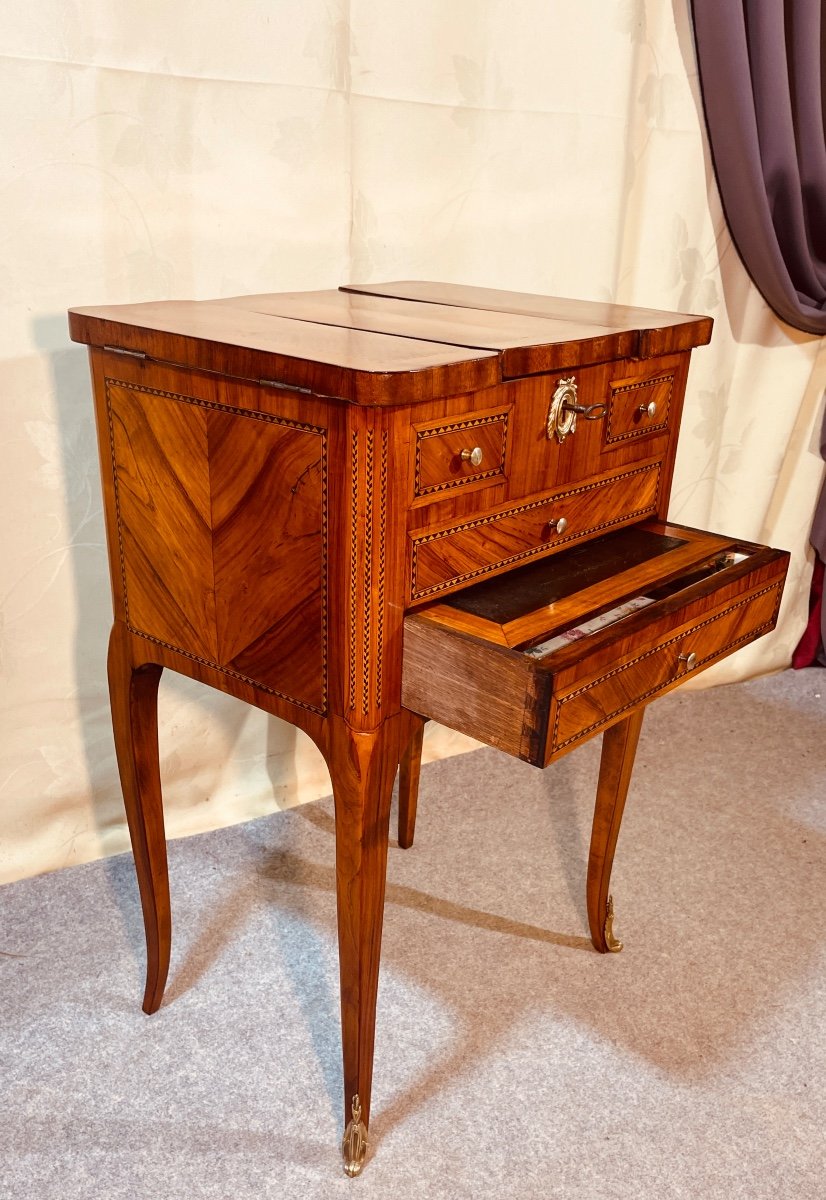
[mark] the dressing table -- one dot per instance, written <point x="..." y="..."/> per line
<point x="360" y="509"/>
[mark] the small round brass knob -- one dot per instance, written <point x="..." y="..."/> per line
<point x="690" y="660"/>
<point x="558" y="525"/>
<point x="649" y="410"/>
<point x="474" y="456"/>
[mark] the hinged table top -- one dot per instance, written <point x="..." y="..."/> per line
<point x="392" y="343"/>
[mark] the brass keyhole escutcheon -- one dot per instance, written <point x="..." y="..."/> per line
<point x="562" y="415"/>
<point x="565" y="408"/>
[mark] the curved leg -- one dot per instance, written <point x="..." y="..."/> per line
<point x="362" y="768"/>
<point x="619" y="746"/>
<point x="409" y="770"/>
<point x="133" y="694"/>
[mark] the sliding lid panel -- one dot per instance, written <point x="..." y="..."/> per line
<point x="654" y="332"/>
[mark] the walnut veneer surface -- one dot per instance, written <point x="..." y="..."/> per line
<point x="300" y="488"/>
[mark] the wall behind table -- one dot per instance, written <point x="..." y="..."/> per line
<point x="163" y="151"/>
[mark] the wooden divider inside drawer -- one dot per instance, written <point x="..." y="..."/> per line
<point x="541" y="659"/>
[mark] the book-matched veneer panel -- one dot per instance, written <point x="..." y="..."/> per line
<point x="163" y="524"/>
<point x="217" y="517"/>
<point x="268" y="518"/>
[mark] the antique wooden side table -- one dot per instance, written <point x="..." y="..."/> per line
<point x="359" y="509"/>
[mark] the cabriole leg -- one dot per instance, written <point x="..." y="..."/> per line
<point x="409" y="771"/>
<point x="133" y="694"/>
<point x="619" y="746"/>
<point x="362" y="768"/>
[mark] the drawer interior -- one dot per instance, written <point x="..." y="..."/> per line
<point x="542" y="658"/>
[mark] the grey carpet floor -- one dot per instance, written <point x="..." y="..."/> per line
<point x="511" y="1060"/>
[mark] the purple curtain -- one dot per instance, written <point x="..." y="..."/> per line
<point x="763" y="76"/>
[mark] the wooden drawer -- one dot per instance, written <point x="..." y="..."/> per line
<point x="443" y="559"/>
<point x="453" y="454"/>
<point x="631" y="418"/>
<point x="541" y="659"/>
<point x="638" y="405"/>
<point x="624" y="405"/>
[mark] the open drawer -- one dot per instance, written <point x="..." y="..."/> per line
<point x="538" y="660"/>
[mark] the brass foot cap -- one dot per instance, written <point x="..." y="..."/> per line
<point x="354" y="1142"/>
<point x="613" y="944"/>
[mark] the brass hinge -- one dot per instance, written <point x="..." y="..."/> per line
<point x="120" y="350"/>
<point x="285" y="387"/>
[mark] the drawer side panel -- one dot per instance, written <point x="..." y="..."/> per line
<point x="488" y="692"/>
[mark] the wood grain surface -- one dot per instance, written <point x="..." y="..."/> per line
<point x="343" y="364"/>
<point x="385" y="347"/>
<point x="526" y="344"/>
<point x="659" y="332"/>
<point x="457" y="671"/>
<point x="283" y="477"/>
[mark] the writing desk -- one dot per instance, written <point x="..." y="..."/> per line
<point x="359" y="509"/>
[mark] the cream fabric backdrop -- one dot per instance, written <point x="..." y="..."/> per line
<point x="167" y="148"/>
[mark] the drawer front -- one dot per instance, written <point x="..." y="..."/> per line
<point x="638" y="407"/>
<point x="454" y="454"/>
<point x="447" y="558"/>
<point x="657" y="665"/>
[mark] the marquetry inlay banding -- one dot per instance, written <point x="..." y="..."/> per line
<point x="607" y="508"/>
<point x="381" y="569"/>
<point x="368" y="575"/>
<point x="728" y="646"/>
<point x="353" y="582"/>
<point x="367" y="587"/>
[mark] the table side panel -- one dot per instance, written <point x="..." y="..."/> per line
<point x="217" y="520"/>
